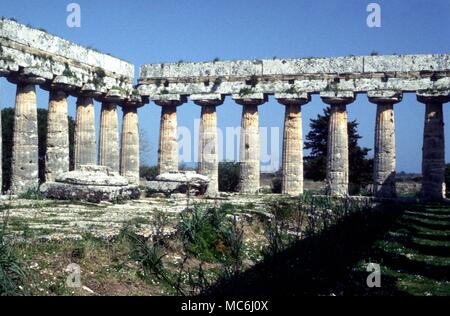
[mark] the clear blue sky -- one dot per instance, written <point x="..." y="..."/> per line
<point x="146" y="31"/>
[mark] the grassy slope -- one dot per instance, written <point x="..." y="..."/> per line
<point x="415" y="253"/>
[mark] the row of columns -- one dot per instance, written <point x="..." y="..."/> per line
<point x="25" y="150"/>
<point x="337" y="183"/>
<point x="123" y="159"/>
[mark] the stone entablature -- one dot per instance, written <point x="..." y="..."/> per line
<point x="53" y="62"/>
<point x="407" y="73"/>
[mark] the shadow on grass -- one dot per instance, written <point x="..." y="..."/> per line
<point x="323" y="264"/>
<point x="424" y="234"/>
<point x="414" y="267"/>
<point x="428" y="216"/>
<point x="443" y="226"/>
<point x="423" y="248"/>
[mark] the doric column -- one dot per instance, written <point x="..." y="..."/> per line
<point x="385" y="153"/>
<point x="57" y="155"/>
<point x="129" y="155"/>
<point x="25" y="167"/>
<point x="109" y="137"/>
<point x="433" y="161"/>
<point x="292" y="165"/>
<point x="208" y="154"/>
<point x="249" y="153"/>
<point x="338" y="155"/>
<point x="168" y="145"/>
<point x="1" y="154"/>
<point x="85" y="143"/>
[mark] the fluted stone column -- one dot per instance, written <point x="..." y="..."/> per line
<point x="168" y="145"/>
<point x="433" y="161"/>
<point x="385" y="151"/>
<point x="292" y="165"/>
<point x="25" y="167"/>
<point x="129" y="161"/>
<point x="57" y="155"/>
<point x="85" y="143"/>
<point x="1" y="154"/>
<point x="108" y="154"/>
<point x="338" y="155"/>
<point x="249" y="153"/>
<point x="208" y="155"/>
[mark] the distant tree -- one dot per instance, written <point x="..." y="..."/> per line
<point x="71" y="143"/>
<point x="447" y="178"/>
<point x="360" y="167"/>
<point x="42" y="139"/>
<point x="229" y="173"/>
<point x="7" y="140"/>
<point x="7" y="144"/>
<point x="277" y="182"/>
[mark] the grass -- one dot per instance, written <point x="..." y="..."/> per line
<point x="12" y="272"/>
<point x="299" y="245"/>
<point x="415" y="253"/>
<point x="32" y="193"/>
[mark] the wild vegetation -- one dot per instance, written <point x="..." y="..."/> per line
<point x="306" y="245"/>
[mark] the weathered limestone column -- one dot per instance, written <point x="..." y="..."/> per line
<point x="208" y="155"/>
<point x="25" y="167"/>
<point x="249" y="153"/>
<point x="57" y="155"/>
<point x="108" y="154"/>
<point x="433" y="163"/>
<point x="168" y="145"/>
<point x="292" y="165"/>
<point x="385" y="153"/>
<point x="1" y="154"/>
<point x="337" y="158"/>
<point x="85" y="143"/>
<point x="129" y="154"/>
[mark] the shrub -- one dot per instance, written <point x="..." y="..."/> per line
<point x="32" y="193"/>
<point x="12" y="275"/>
<point x="147" y="255"/>
<point x="148" y="173"/>
<point x="229" y="173"/>
<point x="209" y="236"/>
<point x="277" y="183"/>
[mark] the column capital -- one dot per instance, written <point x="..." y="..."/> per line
<point x="84" y="100"/>
<point x="51" y="87"/>
<point x="338" y="97"/>
<point x="20" y="78"/>
<point x="63" y="83"/>
<point x="112" y="96"/>
<point x="4" y="72"/>
<point x="293" y="99"/>
<point x="58" y="94"/>
<point x="440" y="96"/>
<point x="208" y="99"/>
<point x="89" y="90"/>
<point x="251" y="99"/>
<point x="130" y="104"/>
<point x="385" y="96"/>
<point x="169" y="99"/>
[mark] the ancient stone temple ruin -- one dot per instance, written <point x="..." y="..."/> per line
<point x="30" y="57"/>
<point x="338" y="80"/>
